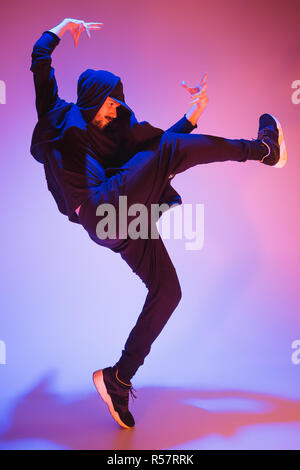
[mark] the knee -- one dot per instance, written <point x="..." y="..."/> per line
<point x="178" y="293"/>
<point x="171" y="291"/>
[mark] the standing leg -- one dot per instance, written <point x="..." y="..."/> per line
<point x="149" y="259"/>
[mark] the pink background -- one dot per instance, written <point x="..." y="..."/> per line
<point x="231" y="335"/>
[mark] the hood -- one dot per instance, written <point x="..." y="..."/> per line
<point x="93" y="87"/>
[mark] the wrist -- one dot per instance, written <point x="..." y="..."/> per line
<point x="61" y="28"/>
<point x="191" y="118"/>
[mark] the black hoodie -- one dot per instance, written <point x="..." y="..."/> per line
<point x="77" y="156"/>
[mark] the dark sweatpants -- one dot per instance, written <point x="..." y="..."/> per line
<point x="142" y="180"/>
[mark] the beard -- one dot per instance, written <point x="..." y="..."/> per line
<point x="104" y="123"/>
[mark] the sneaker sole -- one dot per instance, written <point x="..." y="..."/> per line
<point x="283" y="152"/>
<point x="101" y="389"/>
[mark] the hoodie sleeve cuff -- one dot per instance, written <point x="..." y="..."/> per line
<point x="190" y="124"/>
<point x="53" y="35"/>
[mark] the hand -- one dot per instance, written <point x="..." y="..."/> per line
<point x="199" y="99"/>
<point x="75" y="27"/>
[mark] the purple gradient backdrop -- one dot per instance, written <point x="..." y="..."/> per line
<point x="63" y="313"/>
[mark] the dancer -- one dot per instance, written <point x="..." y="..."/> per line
<point x="94" y="151"/>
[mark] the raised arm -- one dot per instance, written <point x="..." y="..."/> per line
<point x="46" y="90"/>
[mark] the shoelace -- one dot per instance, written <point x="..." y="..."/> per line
<point x="130" y="389"/>
<point x="133" y="396"/>
<point x="125" y="395"/>
<point x="266" y="132"/>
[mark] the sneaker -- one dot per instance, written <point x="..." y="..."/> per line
<point x="271" y="134"/>
<point x="115" y="394"/>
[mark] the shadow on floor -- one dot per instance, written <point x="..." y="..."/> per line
<point x="165" y="417"/>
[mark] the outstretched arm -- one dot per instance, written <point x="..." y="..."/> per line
<point x="46" y="90"/>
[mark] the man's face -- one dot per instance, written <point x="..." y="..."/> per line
<point x="106" y="113"/>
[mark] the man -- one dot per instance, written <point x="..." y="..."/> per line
<point x="95" y="151"/>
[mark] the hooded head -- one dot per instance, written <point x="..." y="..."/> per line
<point x="94" y="87"/>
